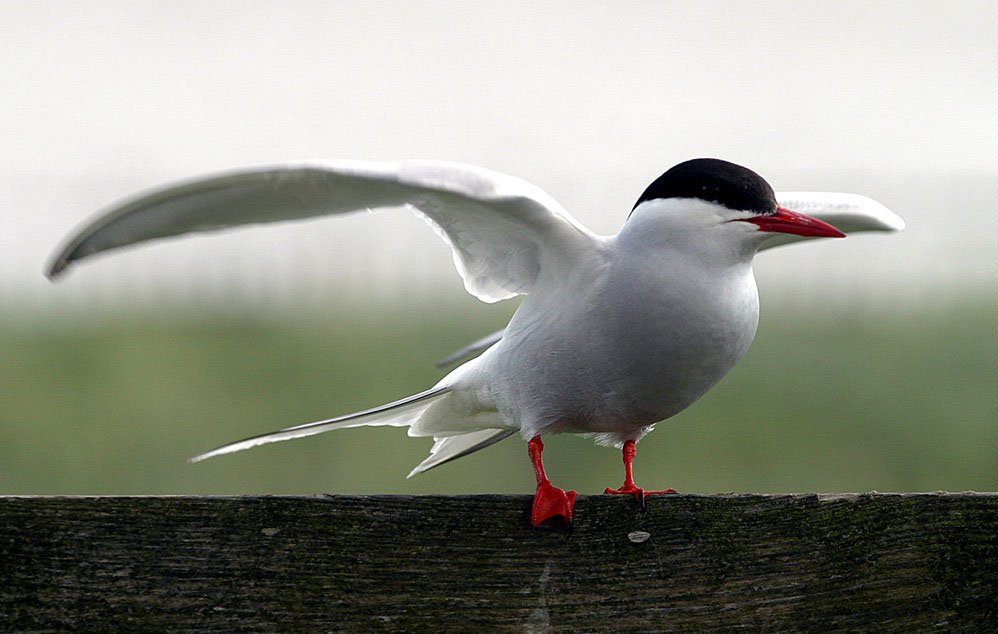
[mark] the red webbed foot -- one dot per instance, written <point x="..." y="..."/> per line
<point x="551" y="502"/>
<point x="629" y="488"/>
<point x="639" y="493"/>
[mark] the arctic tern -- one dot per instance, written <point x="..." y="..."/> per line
<point x="616" y="334"/>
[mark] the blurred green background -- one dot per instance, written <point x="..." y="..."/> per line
<point x="875" y="364"/>
<point x="837" y="401"/>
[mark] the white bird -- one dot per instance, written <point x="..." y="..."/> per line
<point x="616" y="334"/>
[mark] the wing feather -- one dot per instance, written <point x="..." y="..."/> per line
<point x="503" y="231"/>
<point x="850" y="213"/>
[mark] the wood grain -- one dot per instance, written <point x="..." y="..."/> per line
<point x="687" y="563"/>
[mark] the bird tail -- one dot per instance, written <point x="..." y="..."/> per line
<point x="398" y="414"/>
<point x="449" y="448"/>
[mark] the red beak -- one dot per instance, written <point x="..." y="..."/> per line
<point x="786" y="221"/>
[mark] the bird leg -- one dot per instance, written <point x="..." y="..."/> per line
<point x="549" y="500"/>
<point x="629" y="488"/>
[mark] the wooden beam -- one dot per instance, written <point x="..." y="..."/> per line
<point x="872" y="562"/>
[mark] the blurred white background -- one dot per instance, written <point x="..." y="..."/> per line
<point x="591" y="101"/>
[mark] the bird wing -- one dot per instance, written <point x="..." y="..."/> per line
<point x="504" y="232"/>
<point x="471" y="349"/>
<point x="849" y="213"/>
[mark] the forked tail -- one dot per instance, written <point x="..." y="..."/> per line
<point x="397" y="414"/>
<point x="450" y="448"/>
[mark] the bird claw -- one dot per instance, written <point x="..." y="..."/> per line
<point x="551" y="502"/>
<point x="638" y="493"/>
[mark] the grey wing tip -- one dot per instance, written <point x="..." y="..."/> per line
<point x="68" y="253"/>
<point x="471" y="349"/>
<point x="452" y="358"/>
<point x="57" y="267"/>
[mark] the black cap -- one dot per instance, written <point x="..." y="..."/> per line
<point x="736" y="187"/>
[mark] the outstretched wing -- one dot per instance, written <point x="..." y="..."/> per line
<point x="849" y="213"/>
<point x="504" y="232"/>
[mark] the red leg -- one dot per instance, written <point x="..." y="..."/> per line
<point x="629" y="488"/>
<point x="549" y="500"/>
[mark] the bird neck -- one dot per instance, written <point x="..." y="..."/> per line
<point x="679" y="234"/>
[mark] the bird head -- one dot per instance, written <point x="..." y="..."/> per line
<point x="710" y="201"/>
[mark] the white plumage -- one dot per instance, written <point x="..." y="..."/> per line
<point x="617" y="332"/>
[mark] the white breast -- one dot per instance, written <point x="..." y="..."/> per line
<point x="631" y="342"/>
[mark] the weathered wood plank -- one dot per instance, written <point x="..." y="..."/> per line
<point x="872" y="562"/>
